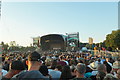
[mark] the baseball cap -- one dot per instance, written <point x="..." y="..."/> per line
<point x="34" y="56"/>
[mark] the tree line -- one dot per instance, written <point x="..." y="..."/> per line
<point x="111" y="43"/>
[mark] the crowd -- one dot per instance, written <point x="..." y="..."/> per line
<point x="59" y="66"/>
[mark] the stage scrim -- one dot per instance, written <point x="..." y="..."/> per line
<point x="53" y="41"/>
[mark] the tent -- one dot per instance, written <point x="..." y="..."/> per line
<point x="84" y="49"/>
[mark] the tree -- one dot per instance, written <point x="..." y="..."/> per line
<point x="90" y="46"/>
<point x="12" y="43"/>
<point x="2" y="43"/>
<point x="4" y="46"/>
<point x="113" y="40"/>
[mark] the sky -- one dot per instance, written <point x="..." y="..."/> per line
<point x="20" y="21"/>
<point x="60" y="0"/>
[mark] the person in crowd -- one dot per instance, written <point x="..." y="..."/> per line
<point x="101" y="72"/>
<point x="81" y="60"/>
<point x="56" y="73"/>
<point x="58" y="68"/>
<point x="72" y="68"/>
<point x="103" y="59"/>
<point x="108" y="61"/>
<point x="72" y="63"/>
<point x="108" y="67"/>
<point x="111" y="60"/>
<point x="115" y="67"/>
<point x="80" y="71"/>
<point x="110" y="77"/>
<point x="48" y="62"/>
<point x="98" y="61"/>
<point x="93" y="66"/>
<point x="66" y="73"/>
<point x="44" y="70"/>
<point x="88" y="73"/>
<point x="118" y="74"/>
<point x="24" y="62"/>
<point x="53" y="64"/>
<point x="4" y="72"/>
<point x="6" y="65"/>
<point x="34" y="63"/>
<point x="62" y="61"/>
<point x="1" y="73"/>
<point x="15" y="68"/>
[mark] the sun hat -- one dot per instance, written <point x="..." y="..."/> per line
<point x="116" y="65"/>
<point x="93" y="65"/>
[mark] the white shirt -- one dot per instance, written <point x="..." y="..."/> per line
<point x="94" y="73"/>
<point x="110" y="64"/>
<point x="54" y="74"/>
<point x="4" y="72"/>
